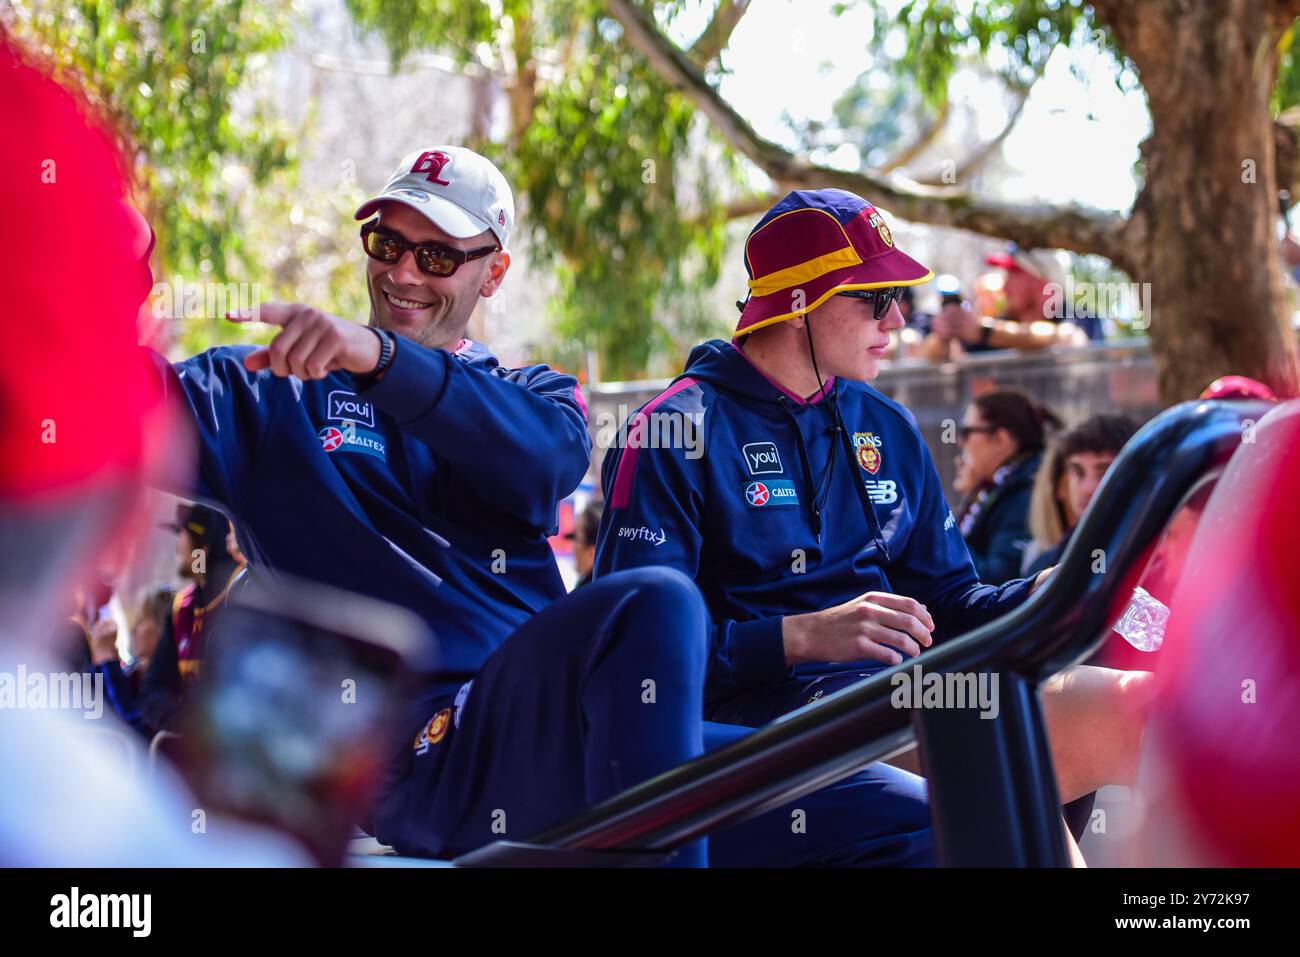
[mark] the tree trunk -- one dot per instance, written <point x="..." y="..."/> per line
<point x="1203" y="231"/>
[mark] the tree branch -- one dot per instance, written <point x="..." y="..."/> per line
<point x="710" y="44"/>
<point x="742" y="208"/>
<point x="751" y="206"/>
<point x="522" y="91"/>
<point x="980" y="156"/>
<point x="1071" y="227"/>
<point x="923" y="139"/>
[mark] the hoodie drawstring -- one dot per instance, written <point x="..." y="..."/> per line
<point x="804" y="460"/>
<point x="877" y="532"/>
<point x="838" y="426"/>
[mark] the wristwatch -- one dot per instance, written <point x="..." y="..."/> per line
<point x="387" y="349"/>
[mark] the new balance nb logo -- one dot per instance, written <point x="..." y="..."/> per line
<point x="882" y="491"/>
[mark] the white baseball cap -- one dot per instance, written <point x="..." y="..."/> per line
<point x="459" y="191"/>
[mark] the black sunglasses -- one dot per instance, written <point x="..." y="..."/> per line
<point x="432" y="258"/>
<point x="882" y="298"/>
<point x="964" y="432"/>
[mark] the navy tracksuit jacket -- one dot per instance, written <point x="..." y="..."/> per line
<point x="781" y="515"/>
<point x="435" y="489"/>
<point x="451" y="467"/>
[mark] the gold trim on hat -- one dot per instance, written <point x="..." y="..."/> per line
<point x="830" y="292"/>
<point x="793" y="276"/>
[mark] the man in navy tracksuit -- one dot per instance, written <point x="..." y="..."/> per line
<point x="403" y="462"/>
<point x="811" y="514"/>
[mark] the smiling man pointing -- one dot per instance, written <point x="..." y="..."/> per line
<point x="401" y="461"/>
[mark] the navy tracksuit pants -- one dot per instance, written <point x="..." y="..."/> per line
<point x="599" y="691"/>
<point x="762" y="705"/>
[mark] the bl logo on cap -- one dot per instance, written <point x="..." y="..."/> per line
<point x="432" y="163"/>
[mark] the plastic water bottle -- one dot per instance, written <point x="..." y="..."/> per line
<point x="1143" y="621"/>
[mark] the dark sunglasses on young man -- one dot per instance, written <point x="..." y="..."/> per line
<point x="882" y="299"/>
<point x="435" y="259"/>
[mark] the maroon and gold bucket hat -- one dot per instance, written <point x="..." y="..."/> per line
<point x="813" y="244"/>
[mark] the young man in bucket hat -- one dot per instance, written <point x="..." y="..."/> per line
<point x="814" y="522"/>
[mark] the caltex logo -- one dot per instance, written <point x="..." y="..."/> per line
<point x="330" y="438"/>
<point x="756" y="493"/>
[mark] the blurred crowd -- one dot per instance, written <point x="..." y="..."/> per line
<point x="1022" y="303"/>
<point x="149" y="666"/>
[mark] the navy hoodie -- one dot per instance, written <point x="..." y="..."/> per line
<point x="781" y="514"/>
<point x="434" y="488"/>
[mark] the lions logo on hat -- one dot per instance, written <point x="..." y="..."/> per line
<point x="885" y="235"/>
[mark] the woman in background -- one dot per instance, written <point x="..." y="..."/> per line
<point x="1002" y="436"/>
<point x="1050" y="515"/>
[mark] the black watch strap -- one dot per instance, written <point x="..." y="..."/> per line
<point x="387" y="348"/>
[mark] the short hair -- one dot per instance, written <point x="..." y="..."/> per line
<point x="1099" y="435"/>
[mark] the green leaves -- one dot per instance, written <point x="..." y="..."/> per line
<point x="600" y="165"/>
<point x="453" y="27"/>
<point x="597" y="159"/>
<point x="1287" y="92"/>
<point x="168" y="72"/>
<point x="1021" y="33"/>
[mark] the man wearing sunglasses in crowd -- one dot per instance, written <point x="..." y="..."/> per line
<point x="400" y="460"/>
<point x="815" y="522"/>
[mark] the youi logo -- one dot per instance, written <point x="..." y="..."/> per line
<point x="762" y="458"/>
<point x="344" y="406"/>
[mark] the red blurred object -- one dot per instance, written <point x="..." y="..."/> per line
<point x="75" y="392"/>
<point x="561" y="542"/>
<point x="1228" y="710"/>
<point x="1238" y="387"/>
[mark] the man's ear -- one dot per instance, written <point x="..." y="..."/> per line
<point x="496" y="274"/>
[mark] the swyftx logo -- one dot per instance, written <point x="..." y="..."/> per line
<point x="643" y="534"/>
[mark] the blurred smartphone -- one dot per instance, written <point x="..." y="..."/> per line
<point x="292" y="724"/>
